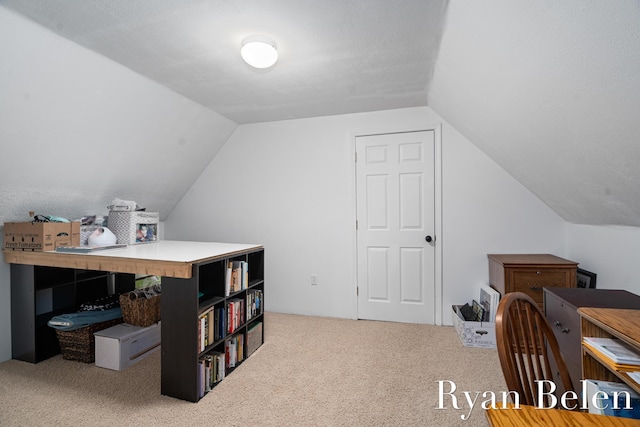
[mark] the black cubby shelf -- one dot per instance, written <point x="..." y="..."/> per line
<point x="40" y="292"/>
<point x="199" y="349"/>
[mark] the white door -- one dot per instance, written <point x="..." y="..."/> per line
<point x="395" y="220"/>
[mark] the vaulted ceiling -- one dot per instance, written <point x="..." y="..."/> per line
<point x="335" y="56"/>
<point x="548" y="89"/>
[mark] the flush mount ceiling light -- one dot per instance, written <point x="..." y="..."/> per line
<point x="259" y="51"/>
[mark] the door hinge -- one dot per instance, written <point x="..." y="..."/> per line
<point x="356" y="157"/>
<point x="356" y="224"/>
<point x="357" y="291"/>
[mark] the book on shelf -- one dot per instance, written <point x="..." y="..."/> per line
<point x="236" y="277"/>
<point x="612" y="398"/>
<point x="235" y="314"/>
<point x="208" y="366"/>
<point x="479" y="312"/>
<point x="489" y="299"/>
<point x="211" y="370"/>
<point x="201" y="378"/>
<point x="227" y="279"/>
<point x="234" y="349"/>
<point x="254" y="303"/>
<point x="245" y="274"/>
<point x="635" y="375"/>
<point x="206" y="329"/>
<point x="619" y="352"/>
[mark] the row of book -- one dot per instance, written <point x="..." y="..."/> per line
<point x="235" y="314"/>
<point x="213" y="366"/>
<point x="211" y="327"/>
<point x="612" y="398"/>
<point x="217" y="322"/>
<point x="484" y="308"/>
<point x="234" y="349"/>
<point x="211" y="370"/>
<point x="254" y="303"/>
<point x="237" y="277"/>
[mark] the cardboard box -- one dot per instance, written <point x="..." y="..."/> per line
<point x="40" y="236"/>
<point x="120" y="346"/>
<point x="134" y="227"/>
<point x="474" y="334"/>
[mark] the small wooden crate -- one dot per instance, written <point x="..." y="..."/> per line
<point x="140" y="311"/>
<point x="80" y="344"/>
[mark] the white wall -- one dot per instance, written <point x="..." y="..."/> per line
<point x="612" y="252"/>
<point x="5" y="312"/>
<point x="485" y="210"/>
<point x="78" y="130"/>
<point x="290" y="186"/>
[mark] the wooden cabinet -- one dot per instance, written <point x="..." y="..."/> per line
<point x="609" y="323"/>
<point x="531" y="273"/>
<point x="561" y="309"/>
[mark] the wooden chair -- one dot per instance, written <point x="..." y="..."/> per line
<point x="528" y="350"/>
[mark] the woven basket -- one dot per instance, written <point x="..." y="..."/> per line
<point x="140" y="311"/>
<point x="80" y="344"/>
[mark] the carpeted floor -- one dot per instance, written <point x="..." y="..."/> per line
<point x="311" y="371"/>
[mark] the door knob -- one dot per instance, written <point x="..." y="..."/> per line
<point x="429" y="239"/>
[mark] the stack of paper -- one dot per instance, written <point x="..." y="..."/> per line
<point x="489" y="299"/>
<point x="618" y="351"/>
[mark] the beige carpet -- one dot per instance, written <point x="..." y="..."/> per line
<point x="311" y="371"/>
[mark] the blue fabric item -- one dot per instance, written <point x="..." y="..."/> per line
<point x="71" y="321"/>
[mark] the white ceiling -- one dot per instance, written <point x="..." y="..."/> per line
<point x="548" y="89"/>
<point x="336" y="56"/>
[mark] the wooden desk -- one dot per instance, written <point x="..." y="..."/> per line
<point x="623" y="324"/>
<point x="167" y="258"/>
<point x="532" y="416"/>
<point x="193" y="281"/>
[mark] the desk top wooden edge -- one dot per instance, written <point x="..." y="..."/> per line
<point x="622" y="322"/>
<point x="537" y="259"/>
<point x="167" y="258"/>
<point x="532" y="416"/>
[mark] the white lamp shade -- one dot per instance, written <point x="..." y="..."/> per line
<point x="259" y="52"/>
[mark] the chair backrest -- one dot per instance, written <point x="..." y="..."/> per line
<point x="529" y="351"/>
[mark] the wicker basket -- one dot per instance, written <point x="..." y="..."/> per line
<point x="140" y="311"/>
<point x="80" y="344"/>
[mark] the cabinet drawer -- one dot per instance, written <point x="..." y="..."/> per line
<point x="565" y="322"/>
<point x="531" y="281"/>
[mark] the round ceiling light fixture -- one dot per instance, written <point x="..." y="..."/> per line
<point x="259" y="51"/>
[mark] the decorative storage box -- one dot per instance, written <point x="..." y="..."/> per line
<point x="474" y="334"/>
<point x="254" y="338"/>
<point x="134" y="227"/>
<point x="40" y="236"/>
<point x="120" y="346"/>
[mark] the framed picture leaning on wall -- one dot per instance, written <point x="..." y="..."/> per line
<point x="585" y="279"/>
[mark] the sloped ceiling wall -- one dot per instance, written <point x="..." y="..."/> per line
<point x="550" y="90"/>
<point x="78" y="130"/>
